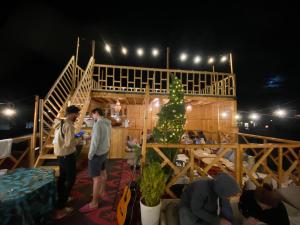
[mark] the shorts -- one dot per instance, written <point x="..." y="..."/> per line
<point x="97" y="164"/>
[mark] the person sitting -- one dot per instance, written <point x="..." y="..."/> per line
<point x="201" y="135"/>
<point x="131" y="142"/>
<point x="263" y="206"/>
<point x="206" y="201"/>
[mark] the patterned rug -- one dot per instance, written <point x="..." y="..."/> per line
<point x="119" y="174"/>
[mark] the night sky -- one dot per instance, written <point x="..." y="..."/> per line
<point x="37" y="40"/>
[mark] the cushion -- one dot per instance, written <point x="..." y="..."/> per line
<point x="172" y="214"/>
<point x="293" y="213"/>
<point x="291" y="195"/>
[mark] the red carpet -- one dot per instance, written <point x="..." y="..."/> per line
<point x="119" y="174"/>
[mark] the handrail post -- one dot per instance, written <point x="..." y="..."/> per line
<point x="41" y="125"/>
<point x="33" y="138"/>
<point x="145" y="126"/>
<point x="75" y="77"/>
<point x="168" y="70"/>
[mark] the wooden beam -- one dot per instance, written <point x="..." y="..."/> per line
<point x="33" y="139"/>
<point x="145" y="125"/>
<point x="166" y="159"/>
<point x="280" y="166"/>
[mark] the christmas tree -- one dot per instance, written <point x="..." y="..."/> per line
<point x="169" y="128"/>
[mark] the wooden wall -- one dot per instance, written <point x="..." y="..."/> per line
<point x="206" y="117"/>
<point x="209" y="117"/>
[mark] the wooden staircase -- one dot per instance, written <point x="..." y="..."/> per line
<point x="73" y="87"/>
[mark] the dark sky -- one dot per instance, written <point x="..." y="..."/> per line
<point x="37" y="39"/>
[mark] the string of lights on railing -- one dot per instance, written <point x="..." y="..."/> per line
<point x="155" y="52"/>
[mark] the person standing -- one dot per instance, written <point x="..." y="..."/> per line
<point x="65" y="149"/>
<point x="97" y="156"/>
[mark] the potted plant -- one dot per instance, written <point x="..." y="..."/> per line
<point x="152" y="185"/>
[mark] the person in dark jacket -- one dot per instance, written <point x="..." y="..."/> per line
<point x="263" y="206"/>
<point x="206" y="201"/>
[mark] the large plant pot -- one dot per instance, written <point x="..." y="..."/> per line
<point x="150" y="215"/>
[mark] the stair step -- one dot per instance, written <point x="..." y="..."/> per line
<point x="48" y="156"/>
<point x="49" y="146"/>
<point x="55" y="168"/>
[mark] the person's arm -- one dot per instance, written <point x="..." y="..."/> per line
<point x="226" y="210"/>
<point x="95" y="141"/>
<point x="244" y="204"/>
<point x="69" y="133"/>
<point x="197" y="204"/>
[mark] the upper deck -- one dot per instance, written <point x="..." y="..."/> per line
<point x="129" y="79"/>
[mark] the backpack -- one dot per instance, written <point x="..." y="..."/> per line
<point x="57" y="131"/>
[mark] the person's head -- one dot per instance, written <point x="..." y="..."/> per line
<point x="266" y="198"/>
<point x="97" y="113"/>
<point x="72" y="112"/>
<point x="199" y="132"/>
<point x="191" y="134"/>
<point x="225" y="186"/>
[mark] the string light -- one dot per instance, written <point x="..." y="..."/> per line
<point x="124" y="51"/>
<point x="211" y="60"/>
<point x="107" y="48"/>
<point x="183" y="57"/>
<point x="140" y="52"/>
<point x="223" y="59"/>
<point x="197" y="59"/>
<point x="155" y="52"/>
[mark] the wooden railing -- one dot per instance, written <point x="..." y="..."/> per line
<point x="241" y="138"/>
<point x="224" y="86"/>
<point x="280" y="162"/>
<point x="134" y="79"/>
<point x="55" y="101"/>
<point x="79" y="75"/>
<point x="81" y="96"/>
<point x="16" y="159"/>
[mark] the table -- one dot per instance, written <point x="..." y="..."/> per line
<point x="27" y="196"/>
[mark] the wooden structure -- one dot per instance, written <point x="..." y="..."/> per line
<point x="140" y="91"/>
<point x="271" y="150"/>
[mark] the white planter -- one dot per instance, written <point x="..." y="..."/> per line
<point x="150" y="215"/>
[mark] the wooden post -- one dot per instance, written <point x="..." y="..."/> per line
<point x="75" y="65"/>
<point x="33" y="138"/>
<point x="145" y="126"/>
<point x="192" y="160"/>
<point x="93" y="48"/>
<point x="234" y="121"/>
<point x="41" y="125"/>
<point x="168" y="69"/>
<point x="213" y="68"/>
<point x="230" y="62"/>
<point x="233" y="75"/>
<point x="218" y="116"/>
<point x="298" y="181"/>
<point x="280" y="168"/>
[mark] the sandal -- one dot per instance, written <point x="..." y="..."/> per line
<point x="86" y="208"/>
